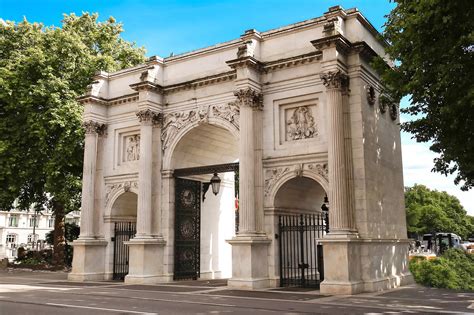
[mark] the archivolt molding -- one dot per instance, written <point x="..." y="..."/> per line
<point x="275" y="177"/>
<point x="174" y="122"/>
<point x="114" y="190"/>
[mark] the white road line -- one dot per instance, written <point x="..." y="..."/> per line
<point x="100" y="309"/>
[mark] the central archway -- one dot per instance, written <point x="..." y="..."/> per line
<point x="205" y="144"/>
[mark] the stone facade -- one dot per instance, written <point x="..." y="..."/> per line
<point x="298" y="107"/>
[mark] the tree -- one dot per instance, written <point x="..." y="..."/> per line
<point x="42" y="72"/>
<point x="431" y="42"/>
<point x="431" y="211"/>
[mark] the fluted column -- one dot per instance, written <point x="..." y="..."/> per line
<point x="250" y="101"/>
<point x="92" y="129"/>
<point x="144" y="212"/>
<point x="340" y="218"/>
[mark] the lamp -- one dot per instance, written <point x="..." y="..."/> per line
<point x="215" y="183"/>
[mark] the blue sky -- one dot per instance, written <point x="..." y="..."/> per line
<point x="163" y="27"/>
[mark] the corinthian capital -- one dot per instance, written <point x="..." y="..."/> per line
<point x="148" y="117"/>
<point x="249" y="97"/>
<point x="94" y="127"/>
<point x="335" y="80"/>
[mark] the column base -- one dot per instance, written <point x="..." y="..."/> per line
<point x="146" y="261"/>
<point x="354" y="265"/>
<point x="88" y="263"/>
<point x="249" y="262"/>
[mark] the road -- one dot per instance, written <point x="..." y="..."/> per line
<point x="38" y="293"/>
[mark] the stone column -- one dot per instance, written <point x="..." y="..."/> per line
<point x="145" y="163"/>
<point x="340" y="218"/>
<point x="250" y="101"/>
<point x="146" y="249"/>
<point x="249" y="247"/>
<point x="89" y="249"/>
<point x="92" y="129"/>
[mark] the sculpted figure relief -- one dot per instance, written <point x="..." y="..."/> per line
<point x="229" y="112"/>
<point x="301" y="124"/>
<point x="132" y="148"/>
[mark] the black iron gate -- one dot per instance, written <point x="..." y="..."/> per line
<point x="187" y="229"/>
<point x="123" y="232"/>
<point x="301" y="257"/>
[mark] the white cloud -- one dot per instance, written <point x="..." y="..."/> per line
<point x="417" y="165"/>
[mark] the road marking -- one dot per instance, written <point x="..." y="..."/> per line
<point x="100" y="309"/>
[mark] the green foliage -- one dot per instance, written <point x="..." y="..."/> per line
<point x="43" y="257"/>
<point x="72" y="232"/>
<point x="431" y="42"/>
<point x="453" y="270"/>
<point x="42" y="72"/>
<point x="431" y="211"/>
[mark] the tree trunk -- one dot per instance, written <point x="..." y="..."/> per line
<point x="59" y="243"/>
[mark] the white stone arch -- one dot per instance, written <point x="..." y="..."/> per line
<point x="216" y="121"/>
<point x="320" y="179"/>
<point x="115" y="191"/>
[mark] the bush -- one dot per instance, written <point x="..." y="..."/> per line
<point x="453" y="270"/>
<point x="31" y="258"/>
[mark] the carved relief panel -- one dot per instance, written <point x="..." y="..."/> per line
<point x="131" y="148"/>
<point x="298" y="121"/>
<point x="127" y="148"/>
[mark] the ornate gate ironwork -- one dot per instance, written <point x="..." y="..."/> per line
<point x="123" y="232"/>
<point x="187" y="229"/>
<point x="301" y="257"/>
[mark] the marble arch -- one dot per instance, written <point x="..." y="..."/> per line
<point x="284" y="96"/>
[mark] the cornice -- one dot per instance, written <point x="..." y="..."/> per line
<point x="208" y="80"/>
<point x="247" y="61"/>
<point x="90" y="99"/>
<point x="292" y="61"/>
<point x="146" y="86"/>
<point x="340" y="42"/>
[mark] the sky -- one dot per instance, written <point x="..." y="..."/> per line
<point x="165" y="27"/>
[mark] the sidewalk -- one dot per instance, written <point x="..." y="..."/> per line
<point x="43" y="290"/>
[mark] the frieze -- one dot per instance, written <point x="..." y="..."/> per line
<point x="321" y="169"/>
<point x="229" y="112"/>
<point x="301" y="124"/>
<point x="112" y="189"/>
<point x="273" y="175"/>
<point x="173" y="122"/>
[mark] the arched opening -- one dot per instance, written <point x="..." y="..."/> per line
<point x="300" y="195"/>
<point x="214" y="215"/>
<point x="123" y="217"/>
<point x="125" y="207"/>
<point x="300" y="224"/>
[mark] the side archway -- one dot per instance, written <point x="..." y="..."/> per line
<point x="315" y="177"/>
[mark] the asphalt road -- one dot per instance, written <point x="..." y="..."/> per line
<point x="38" y="293"/>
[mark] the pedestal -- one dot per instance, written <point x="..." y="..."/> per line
<point x="249" y="262"/>
<point x="353" y="266"/>
<point x="89" y="260"/>
<point x="146" y="261"/>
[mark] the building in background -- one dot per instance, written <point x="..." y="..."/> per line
<point x="22" y="228"/>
